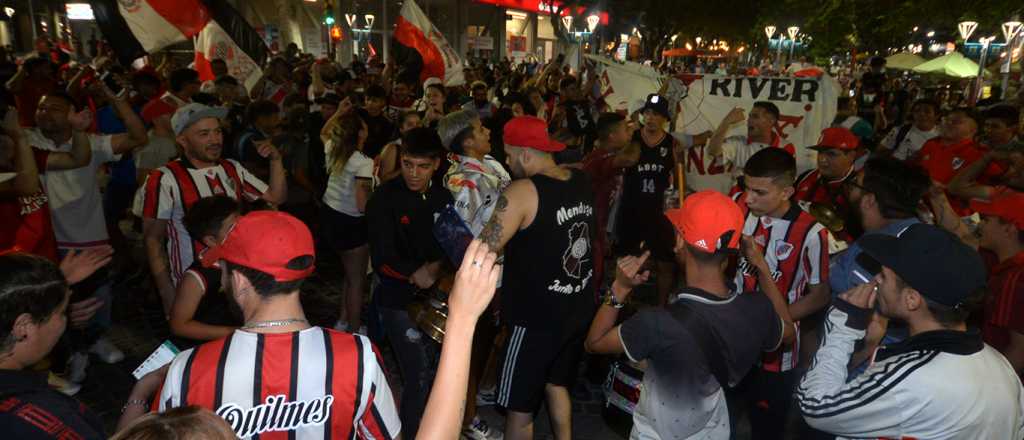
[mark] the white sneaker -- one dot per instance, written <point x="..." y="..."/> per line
<point x="487" y="397"/>
<point x="77" y="364"/>
<point x="62" y="385"/>
<point x="106" y="351"/>
<point x="341" y="326"/>
<point x="478" y="430"/>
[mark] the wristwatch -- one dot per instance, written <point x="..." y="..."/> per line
<point x="609" y="300"/>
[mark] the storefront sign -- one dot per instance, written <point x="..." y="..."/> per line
<point x="541" y="6"/>
<point x="481" y="42"/>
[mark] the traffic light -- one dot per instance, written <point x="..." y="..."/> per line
<point x="329" y="13"/>
<point x="335" y="33"/>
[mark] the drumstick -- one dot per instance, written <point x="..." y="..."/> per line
<point x="681" y="180"/>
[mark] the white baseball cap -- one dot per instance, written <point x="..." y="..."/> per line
<point x="189" y="114"/>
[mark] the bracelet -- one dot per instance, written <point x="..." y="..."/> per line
<point x="133" y="402"/>
<point x="609" y="300"/>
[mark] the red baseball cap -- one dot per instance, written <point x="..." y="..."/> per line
<point x="266" y="241"/>
<point x="1007" y="205"/>
<point x="839" y="138"/>
<point x="530" y="132"/>
<point x="709" y="220"/>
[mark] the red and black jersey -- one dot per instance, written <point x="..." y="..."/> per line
<point x="311" y="384"/>
<point x="811" y="187"/>
<point x="1004" y="306"/>
<point x="796" y="250"/>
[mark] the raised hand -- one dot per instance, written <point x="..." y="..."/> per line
<point x="627" y="271"/>
<point x="80" y="121"/>
<point x="753" y="252"/>
<point x="862" y="296"/>
<point x="78" y="265"/>
<point x="267" y="150"/>
<point x="475" y="282"/>
<point x="735" y="116"/>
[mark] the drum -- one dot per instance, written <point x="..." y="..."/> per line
<point x="623" y="386"/>
<point x="429" y="309"/>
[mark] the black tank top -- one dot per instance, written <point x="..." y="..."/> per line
<point x="644" y="184"/>
<point x="549" y="265"/>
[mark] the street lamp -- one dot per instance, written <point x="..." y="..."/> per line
<point x="9" y="11"/>
<point x="369" y="21"/>
<point x="770" y="31"/>
<point x="350" y="19"/>
<point x="930" y="34"/>
<point x="1010" y="31"/>
<point x="567" y="21"/>
<point x="967" y="28"/>
<point x="592" y="22"/>
<point x="793" y="32"/>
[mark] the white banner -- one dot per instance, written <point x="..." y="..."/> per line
<point x="807" y="106"/>
<point x="625" y="85"/>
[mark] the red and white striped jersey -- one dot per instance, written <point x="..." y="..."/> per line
<point x="169" y="191"/>
<point x="796" y="249"/>
<point x="315" y="383"/>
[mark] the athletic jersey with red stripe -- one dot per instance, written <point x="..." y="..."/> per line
<point x="796" y="249"/>
<point x="315" y="383"/>
<point x="169" y="191"/>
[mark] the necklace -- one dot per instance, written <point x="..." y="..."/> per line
<point x="275" y="323"/>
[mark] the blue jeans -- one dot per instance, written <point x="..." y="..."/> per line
<point x="417" y="362"/>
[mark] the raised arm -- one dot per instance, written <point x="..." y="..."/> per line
<point x="26" y="182"/>
<point x="154" y="233"/>
<point x="734" y="117"/>
<point x="755" y="256"/>
<point x="81" y="149"/>
<point x="136" y="135"/>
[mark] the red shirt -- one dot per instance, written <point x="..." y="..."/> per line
<point x="26" y="225"/>
<point x="943" y="161"/>
<point x="1004" y="307"/>
<point x="606" y="179"/>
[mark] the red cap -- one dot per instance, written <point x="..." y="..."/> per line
<point x="838" y="138"/>
<point x="1007" y="205"/>
<point x="265" y="241"/>
<point x="709" y="220"/>
<point x="530" y="132"/>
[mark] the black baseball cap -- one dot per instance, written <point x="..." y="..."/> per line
<point x="657" y="103"/>
<point x="930" y="259"/>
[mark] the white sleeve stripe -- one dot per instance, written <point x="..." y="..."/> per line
<point x="198" y="278"/>
<point x="866" y="391"/>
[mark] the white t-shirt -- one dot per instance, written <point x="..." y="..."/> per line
<point x="911" y="143"/>
<point x="736" y="151"/>
<point x="341" y="187"/>
<point x="156" y="153"/>
<point x="75" y="199"/>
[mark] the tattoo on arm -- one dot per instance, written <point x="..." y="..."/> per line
<point x="493" y="230"/>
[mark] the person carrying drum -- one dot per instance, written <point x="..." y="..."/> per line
<point x="707" y="338"/>
<point x="407" y="257"/>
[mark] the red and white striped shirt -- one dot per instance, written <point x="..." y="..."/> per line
<point x="796" y="250"/>
<point x="315" y="383"/>
<point x="169" y="191"/>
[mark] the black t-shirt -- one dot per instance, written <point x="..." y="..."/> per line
<point x="549" y="266"/>
<point x="381" y="131"/>
<point x="644" y="184"/>
<point x="214" y="308"/>
<point x="29" y="409"/>
<point x="680" y="393"/>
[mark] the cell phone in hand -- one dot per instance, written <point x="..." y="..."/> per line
<point x="112" y="84"/>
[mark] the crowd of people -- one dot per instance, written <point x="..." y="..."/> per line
<point x="877" y="294"/>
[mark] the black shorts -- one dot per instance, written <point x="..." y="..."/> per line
<point x="342" y="232"/>
<point x="653" y="230"/>
<point x="534" y="358"/>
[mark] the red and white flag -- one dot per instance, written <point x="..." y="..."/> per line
<point x="214" y="43"/>
<point x="439" y="60"/>
<point x="161" y="23"/>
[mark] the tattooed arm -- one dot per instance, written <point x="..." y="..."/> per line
<point x="514" y="210"/>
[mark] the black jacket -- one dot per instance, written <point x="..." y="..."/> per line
<point x="29" y="409"/>
<point x="401" y="224"/>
